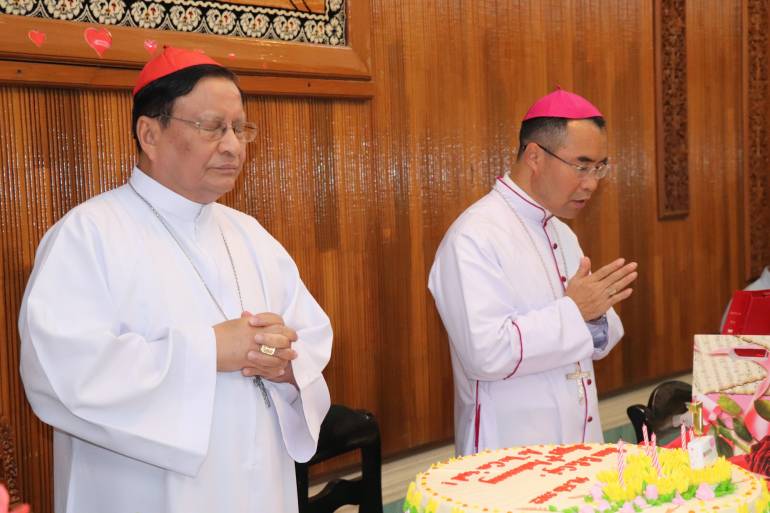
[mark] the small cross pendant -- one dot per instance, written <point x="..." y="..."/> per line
<point x="579" y="376"/>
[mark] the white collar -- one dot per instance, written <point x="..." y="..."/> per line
<point x="527" y="207"/>
<point x="166" y="201"/>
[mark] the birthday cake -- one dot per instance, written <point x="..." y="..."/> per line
<point x="585" y="478"/>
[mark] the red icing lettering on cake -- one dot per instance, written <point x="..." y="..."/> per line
<point x="565" y="487"/>
<point x="584" y="461"/>
<point x="571" y="484"/>
<point x="499" y="463"/>
<point x="509" y="473"/>
<point x="606" y="452"/>
<point x="561" y="451"/>
<point x="540" y="499"/>
<point x="463" y="476"/>
<point x="529" y="451"/>
<point x="547" y="461"/>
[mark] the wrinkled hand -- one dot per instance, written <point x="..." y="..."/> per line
<point x="240" y="343"/>
<point x="595" y="293"/>
<point x="271" y="333"/>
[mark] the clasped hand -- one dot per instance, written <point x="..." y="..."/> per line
<point x="240" y="344"/>
<point x="595" y="293"/>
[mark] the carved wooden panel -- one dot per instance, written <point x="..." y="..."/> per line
<point x="61" y="52"/>
<point x="757" y="175"/>
<point x="323" y="23"/>
<point x="9" y="472"/>
<point x="671" y="108"/>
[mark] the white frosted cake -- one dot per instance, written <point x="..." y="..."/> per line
<point x="584" y="478"/>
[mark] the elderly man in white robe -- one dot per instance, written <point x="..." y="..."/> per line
<point x="524" y="313"/>
<point x="141" y="341"/>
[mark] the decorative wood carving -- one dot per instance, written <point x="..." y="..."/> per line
<point x="323" y="23"/>
<point x="757" y="176"/>
<point x="671" y="109"/>
<point x="9" y="472"/>
<point x="326" y="68"/>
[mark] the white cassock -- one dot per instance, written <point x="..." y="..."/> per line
<point x="118" y="355"/>
<point x="521" y="352"/>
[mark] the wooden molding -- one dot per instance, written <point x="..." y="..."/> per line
<point x="64" y="46"/>
<point x="671" y="109"/>
<point x="9" y="472"/>
<point x="756" y="185"/>
<point x="72" y="75"/>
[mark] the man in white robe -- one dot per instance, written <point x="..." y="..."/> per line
<point x="524" y="314"/>
<point x="166" y="394"/>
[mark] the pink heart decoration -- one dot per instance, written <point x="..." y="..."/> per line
<point x="36" y="37"/>
<point x="150" y="45"/>
<point x="98" y="39"/>
<point x="231" y="55"/>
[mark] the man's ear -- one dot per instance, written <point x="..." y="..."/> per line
<point x="533" y="156"/>
<point x="148" y="132"/>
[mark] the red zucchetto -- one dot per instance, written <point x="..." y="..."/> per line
<point x="167" y="62"/>
<point x="562" y="104"/>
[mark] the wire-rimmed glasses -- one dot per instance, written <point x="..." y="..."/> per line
<point x="598" y="170"/>
<point x="213" y="130"/>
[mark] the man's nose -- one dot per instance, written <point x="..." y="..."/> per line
<point x="590" y="182"/>
<point x="229" y="142"/>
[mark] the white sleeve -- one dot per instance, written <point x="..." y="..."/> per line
<point x="87" y="375"/>
<point x="492" y="337"/>
<point x="301" y="419"/>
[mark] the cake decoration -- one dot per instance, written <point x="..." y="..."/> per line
<point x="585" y="478"/>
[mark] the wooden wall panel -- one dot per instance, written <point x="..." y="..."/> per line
<point x="361" y="191"/>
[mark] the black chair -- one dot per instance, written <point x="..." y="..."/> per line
<point x="345" y="430"/>
<point x="665" y="411"/>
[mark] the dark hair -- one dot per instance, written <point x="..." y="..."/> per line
<point x="157" y="98"/>
<point x="548" y="131"/>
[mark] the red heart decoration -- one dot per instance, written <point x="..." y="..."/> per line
<point x="98" y="39"/>
<point x="36" y="37"/>
<point x="150" y="45"/>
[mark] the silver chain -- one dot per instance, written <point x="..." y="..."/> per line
<point x="534" y="245"/>
<point x="189" y="258"/>
<point x="257" y="379"/>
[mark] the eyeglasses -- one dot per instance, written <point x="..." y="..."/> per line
<point x="216" y="130"/>
<point x="600" y="170"/>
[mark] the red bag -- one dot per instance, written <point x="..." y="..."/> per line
<point x="749" y="313"/>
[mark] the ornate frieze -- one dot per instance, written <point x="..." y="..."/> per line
<point x="757" y="182"/>
<point x="671" y="91"/>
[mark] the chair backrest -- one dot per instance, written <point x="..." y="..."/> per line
<point x="344" y="430"/>
<point x="665" y="411"/>
<point x="668" y="402"/>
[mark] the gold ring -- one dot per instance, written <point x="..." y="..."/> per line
<point x="611" y="292"/>
<point x="268" y="350"/>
